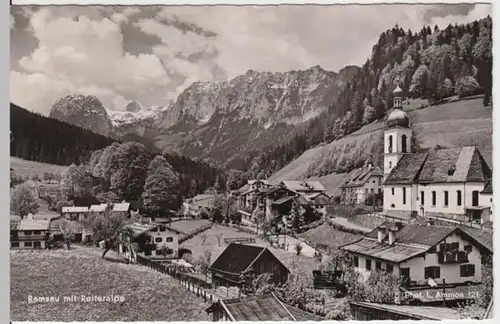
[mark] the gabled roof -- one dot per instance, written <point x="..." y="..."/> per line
<point x="303" y="185"/>
<point x="282" y="200"/>
<point x="411" y="240"/>
<point x="251" y="182"/>
<point x="358" y="177"/>
<point x="461" y="164"/>
<point x="237" y="258"/>
<point x="256" y="308"/>
<point x="75" y="209"/>
<point x="414" y="312"/>
<point x="139" y="229"/>
<point x="98" y="208"/>
<point x="33" y="225"/>
<point x="121" y="207"/>
<point x="321" y="199"/>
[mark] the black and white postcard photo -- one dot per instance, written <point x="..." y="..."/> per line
<point x="253" y="163"/>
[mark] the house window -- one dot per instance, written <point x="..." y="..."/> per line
<point x="389" y="268"/>
<point x="404" y="196"/>
<point x="28" y="232"/>
<point x="422" y="196"/>
<point x="405" y="273"/>
<point x="14" y="244"/>
<point x="371" y="191"/>
<point x="390" y="165"/>
<point x="169" y="239"/>
<point x="37" y="232"/>
<point x="467" y="270"/>
<point x="432" y="250"/>
<point x="355" y="261"/>
<point x="468" y="248"/>
<point x="378" y="265"/>
<point x="37" y="245"/>
<point x="475" y="198"/>
<point x="366" y="191"/>
<point x="446" y="198"/>
<point x="459" y="198"/>
<point x="392" y="191"/>
<point x="433" y="198"/>
<point x="28" y="244"/>
<point x="158" y="239"/>
<point x="368" y="264"/>
<point x="432" y="272"/>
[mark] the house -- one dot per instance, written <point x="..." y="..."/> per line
<point x="123" y="207"/>
<point x="319" y="201"/>
<point x="239" y="259"/>
<point x="257" y="308"/>
<point x="303" y="187"/>
<point x="149" y="240"/>
<point x="29" y="233"/>
<point x="438" y="183"/>
<point x="361" y="184"/>
<point x="75" y="213"/>
<point x="426" y="257"/>
<point x="59" y="226"/>
<point x="364" y="311"/>
<point x="251" y="194"/>
<point x="194" y="206"/>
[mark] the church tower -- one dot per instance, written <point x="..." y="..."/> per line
<point x="397" y="135"/>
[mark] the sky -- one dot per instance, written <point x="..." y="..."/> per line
<point x="150" y="54"/>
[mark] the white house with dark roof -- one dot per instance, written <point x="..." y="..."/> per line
<point x="29" y="233"/>
<point x="77" y="213"/>
<point x="440" y="182"/>
<point x="417" y="253"/>
<point x="362" y="183"/>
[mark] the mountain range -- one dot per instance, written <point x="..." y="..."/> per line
<point x="216" y="121"/>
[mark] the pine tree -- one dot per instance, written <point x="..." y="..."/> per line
<point x="161" y="186"/>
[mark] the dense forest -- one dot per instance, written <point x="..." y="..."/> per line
<point x="42" y="139"/>
<point x="38" y="138"/>
<point x="431" y="64"/>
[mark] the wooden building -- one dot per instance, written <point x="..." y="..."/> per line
<point x="29" y="234"/>
<point x="239" y="259"/>
<point x="256" y="309"/>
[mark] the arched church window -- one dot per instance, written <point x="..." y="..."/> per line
<point x="390" y="143"/>
<point x="403" y="143"/>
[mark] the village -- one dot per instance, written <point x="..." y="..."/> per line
<point x="412" y="239"/>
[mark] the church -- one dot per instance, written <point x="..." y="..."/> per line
<point x="447" y="182"/>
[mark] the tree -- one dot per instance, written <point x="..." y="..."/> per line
<point x="218" y="209"/>
<point x="203" y="238"/>
<point x="260" y="217"/>
<point x="67" y="231"/>
<point x="166" y="251"/>
<point x="204" y="261"/>
<point x="108" y="227"/>
<point x="79" y="179"/>
<point x="23" y="201"/>
<point x="107" y="197"/>
<point x="298" y="248"/>
<point x="131" y="169"/>
<point x="161" y="186"/>
<point x="369" y="115"/>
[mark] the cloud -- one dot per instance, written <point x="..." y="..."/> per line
<point x="80" y="55"/>
<point x="82" y="48"/>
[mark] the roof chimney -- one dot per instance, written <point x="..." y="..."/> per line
<point x="380" y="234"/>
<point x="392" y="236"/>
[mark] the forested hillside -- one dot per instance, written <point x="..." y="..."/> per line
<point x="431" y="64"/>
<point x="41" y="139"/>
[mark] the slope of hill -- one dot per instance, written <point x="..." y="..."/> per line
<point x="27" y="168"/>
<point x="459" y="123"/>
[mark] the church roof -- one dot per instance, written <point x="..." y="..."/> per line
<point x="465" y="164"/>
<point x="488" y="187"/>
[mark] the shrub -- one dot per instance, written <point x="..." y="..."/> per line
<point x="467" y="86"/>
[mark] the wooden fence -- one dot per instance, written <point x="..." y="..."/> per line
<point x="193" y="284"/>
